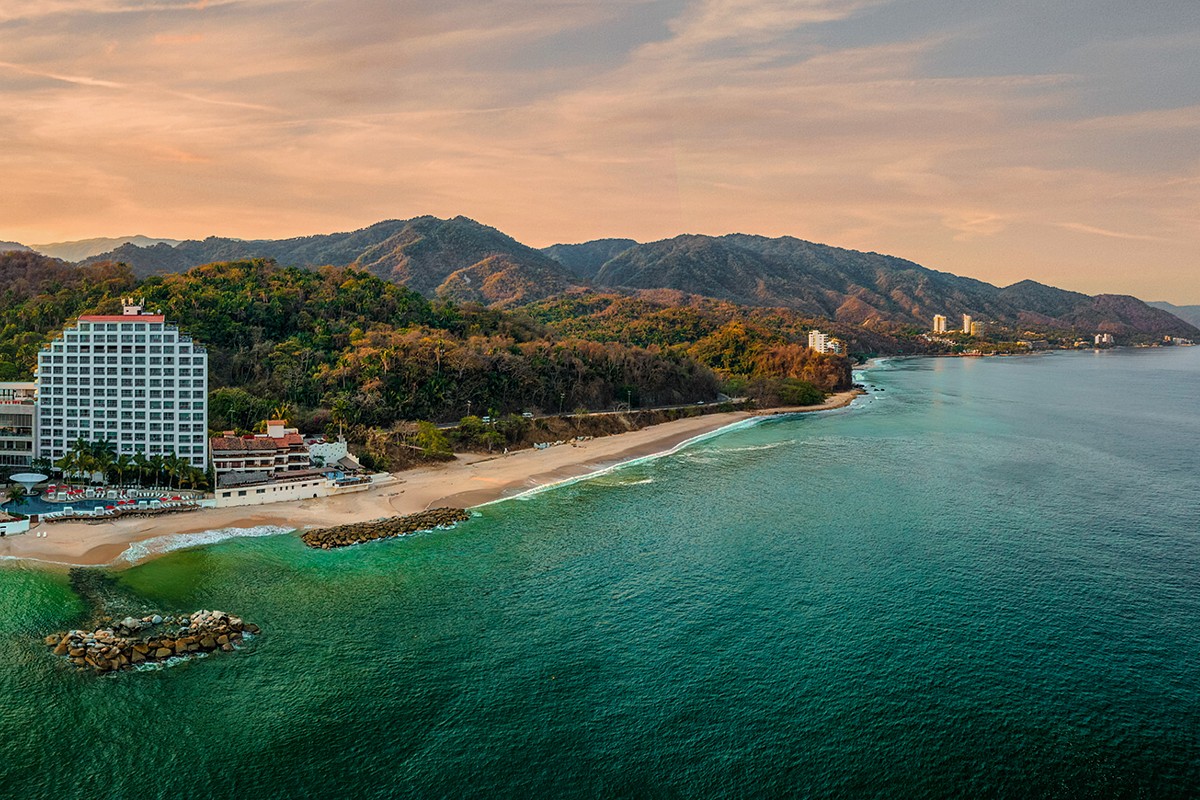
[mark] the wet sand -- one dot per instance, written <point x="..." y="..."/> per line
<point x="467" y="481"/>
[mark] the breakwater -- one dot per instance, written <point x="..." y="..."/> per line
<point x="152" y="639"/>
<point x="359" y="532"/>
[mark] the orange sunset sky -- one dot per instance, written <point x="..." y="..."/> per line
<point x="1058" y="141"/>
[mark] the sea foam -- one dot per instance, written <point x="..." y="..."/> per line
<point x="180" y="541"/>
<point x="608" y="470"/>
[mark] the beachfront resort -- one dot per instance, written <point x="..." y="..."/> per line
<point x="127" y="395"/>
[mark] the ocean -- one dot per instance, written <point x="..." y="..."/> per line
<point x="979" y="580"/>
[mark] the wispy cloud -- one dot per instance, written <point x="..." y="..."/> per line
<point x="1079" y="227"/>
<point x="877" y="124"/>
<point x="81" y="80"/>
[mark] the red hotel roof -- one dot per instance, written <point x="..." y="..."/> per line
<point x="123" y="318"/>
<point x="234" y="444"/>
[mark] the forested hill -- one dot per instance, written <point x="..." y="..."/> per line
<point x="341" y="342"/>
<point x="851" y="286"/>
<point x="455" y="258"/>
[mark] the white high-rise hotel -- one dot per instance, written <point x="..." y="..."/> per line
<point x="132" y="380"/>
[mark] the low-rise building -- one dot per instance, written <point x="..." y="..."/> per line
<point x="12" y="524"/>
<point x="280" y="464"/>
<point x="18" y="424"/>
<point x="278" y="451"/>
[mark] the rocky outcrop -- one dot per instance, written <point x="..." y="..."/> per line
<point x="132" y="642"/>
<point x="357" y="533"/>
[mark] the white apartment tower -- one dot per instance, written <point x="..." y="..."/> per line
<point x="939" y="323"/>
<point x="133" y="380"/>
<point x="824" y="343"/>
<point x="966" y="328"/>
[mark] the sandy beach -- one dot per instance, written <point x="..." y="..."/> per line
<point x="470" y="480"/>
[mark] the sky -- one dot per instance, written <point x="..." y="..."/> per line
<point x="1058" y="141"/>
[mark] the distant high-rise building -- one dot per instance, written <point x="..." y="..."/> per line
<point x="977" y="329"/>
<point x="966" y="328"/>
<point x="129" y="379"/>
<point x="939" y="323"/>
<point x="1104" y="338"/>
<point x="824" y="343"/>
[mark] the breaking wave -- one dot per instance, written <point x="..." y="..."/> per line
<point x="180" y="541"/>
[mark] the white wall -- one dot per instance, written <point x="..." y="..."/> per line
<point x="331" y="452"/>
<point x="281" y="492"/>
<point x="18" y="526"/>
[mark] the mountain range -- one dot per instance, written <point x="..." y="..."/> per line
<point x="85" y="248"/>
<point x="1189" y="314"/>
<point x="463" y="259"/>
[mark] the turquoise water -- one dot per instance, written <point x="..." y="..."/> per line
<point x="981" y="581"/>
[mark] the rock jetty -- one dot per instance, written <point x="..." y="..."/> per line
<point x="345" y="535"/>
<point x="131" y="641"/>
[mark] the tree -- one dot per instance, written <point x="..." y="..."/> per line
<point x="68" y="464"/>
<point x="142" y="465"/>
<point x="432" y="440"/>
<point x="795" y="392"/>
<point x="16" y="495"/>
<point x="158" y="468"/>
<point x="122" y="465"/>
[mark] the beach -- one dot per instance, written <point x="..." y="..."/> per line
<point x="470" y="480"/>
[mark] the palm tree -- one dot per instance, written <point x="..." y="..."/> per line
<point x="142" y="464"/>
<point x="193" y="476"/>
<point x="102" y="461"/>
<point x="68" y="464"/>
<point x="123" y="464"/>
<point x="173" y="466"/>
<point x="16" y="495"/>
<point x="157" y="467"/>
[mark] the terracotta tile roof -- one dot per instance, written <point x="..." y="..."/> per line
<point x="236" y="444"/>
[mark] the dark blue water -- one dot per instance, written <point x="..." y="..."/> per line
<point x="981" y="581"/>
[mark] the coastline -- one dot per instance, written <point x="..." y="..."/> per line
<point x="467" y="482"/>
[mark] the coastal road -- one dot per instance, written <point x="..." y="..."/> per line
<point x="735" y="401"/>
